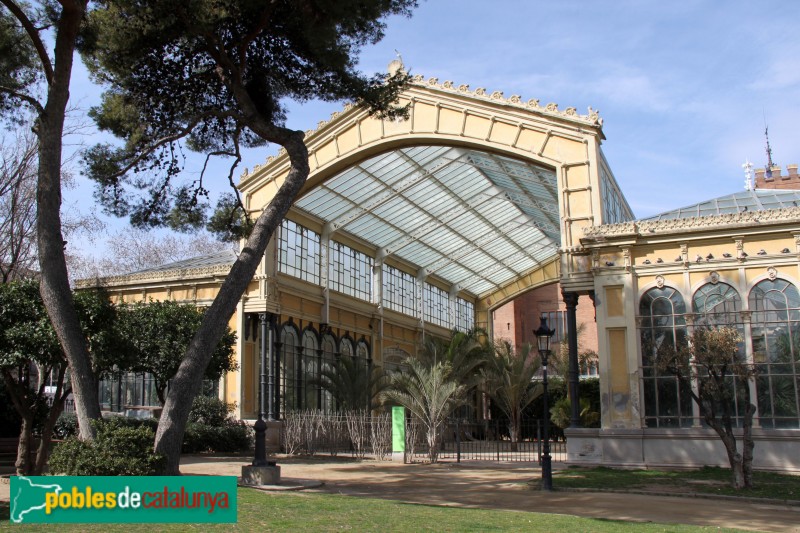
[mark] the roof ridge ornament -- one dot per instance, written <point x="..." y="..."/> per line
<point x="592" y="117"/>
<point x="644" y="227"/>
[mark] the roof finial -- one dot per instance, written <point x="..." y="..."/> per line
<point x="770" y="164"/>
<point x="748" y="175"/>
<point x="396" y="65"/>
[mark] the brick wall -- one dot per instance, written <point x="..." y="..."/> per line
<point x="516" y="320"/>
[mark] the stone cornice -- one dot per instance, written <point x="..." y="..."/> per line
<point x="184" y="274"/>
<point x="678" y="225"/>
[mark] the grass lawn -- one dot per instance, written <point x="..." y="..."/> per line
<point x="707" y="480"/>
<point x="259" y="511"/>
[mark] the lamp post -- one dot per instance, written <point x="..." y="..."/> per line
<point x="543" y="335"/>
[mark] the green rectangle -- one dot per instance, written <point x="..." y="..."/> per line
<point x="398" y="429"/>
<point x="123" y="499"/>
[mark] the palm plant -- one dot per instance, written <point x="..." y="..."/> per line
<point x="561" y="413"/>
<point x="509" y="382"/>
<point x="353" y="384"/>
<point x="464" y="351"/>
<point x="431" y="393"/>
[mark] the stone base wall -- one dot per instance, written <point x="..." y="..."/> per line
<point x="775" y="450"/>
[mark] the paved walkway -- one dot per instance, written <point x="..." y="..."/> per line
<point x="504" y="486"/>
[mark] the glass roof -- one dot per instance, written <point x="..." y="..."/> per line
<point x="475" y="219"/>
<point x="755" y="200"/>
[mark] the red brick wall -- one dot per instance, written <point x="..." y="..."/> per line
<point x="789" y="180"/>
<point x="516" y="320"/>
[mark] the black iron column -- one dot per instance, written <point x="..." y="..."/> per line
<point x="571" y="299"/>
<point x="260" y="426"/>
<point x="271" y="384"/>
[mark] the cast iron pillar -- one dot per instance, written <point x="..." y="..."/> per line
<point x="571" y="300"/>
<point x="260" y="426"/>
<point x="271" y="353"/>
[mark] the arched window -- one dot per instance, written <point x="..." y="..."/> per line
<point x="362" y="349"/>
<point x="775" y="306"/>
<point x="719" y="304"/>
<point x="663" y="327"/>
<point x="289" y="368"/>
<point x="311" y="390"/>
<point x="346" y="346"/>
<point x="394" y="359"/>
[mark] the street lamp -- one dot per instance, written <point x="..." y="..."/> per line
<point x="543" y="335"/>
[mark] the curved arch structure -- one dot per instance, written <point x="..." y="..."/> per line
<point x="483" y="195"/>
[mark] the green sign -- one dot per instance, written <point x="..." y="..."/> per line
<point x="398" y="429"/>
<point x="122" y="499"/>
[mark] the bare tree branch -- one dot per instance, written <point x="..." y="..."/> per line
<point x="30" y="100"/>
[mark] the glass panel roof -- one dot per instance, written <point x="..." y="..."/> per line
<point x="475" y="219"/>
<point x="755" y="200"/>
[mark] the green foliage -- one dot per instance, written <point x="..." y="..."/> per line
<point x="431" y="393"/>
<point x="230" y="222"/>
<point x="232" y="436"/>
<point x="213" y="78"/>
<point x="158" y="334"/>
<point x="561" y="413"/>
<point x="9" y="418"/>
<point x="353" y="385"/>
<point x="19" y="70"/>
<point x="210" y="429"/>
<point x="66" y="426"/>
<point x="509" y="378"/>
<point x="119" y="449"/>
<point x="210" y="410"/>
<point x="464" y="351"/>
<point x="25" y="331"/>
<point x="98" y="318"/>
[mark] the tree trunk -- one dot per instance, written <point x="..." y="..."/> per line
<point x="23" y="463"/>
<point x="187" y="381"/>
<point x="513" y="429"/>
<point x="20" y="397"/>
<point x="59" y="397"/>
<point x="433" y="444"/>
<point x="54" y="285"/>
<point x="734" y="457"/>
<point x="748" y="445"/>
<point x="43" y="452"/>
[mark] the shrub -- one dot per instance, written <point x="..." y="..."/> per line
<point x="210" y="411"/>
<point x="120" y="449"/>
<point x="231" y="437"/>
<point x="66" y="426"/>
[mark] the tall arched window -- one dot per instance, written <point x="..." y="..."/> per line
<point x="775" y="304"/>
<point x="289" y="368"/>
<point x="311" y="364"/>
<point x="719" y="304"/>
<point x="346" y="348"/>
<point x="663" y="326"/>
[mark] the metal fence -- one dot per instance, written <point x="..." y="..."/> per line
<point x="484" y="440"/>
<point x="360" y="434"/>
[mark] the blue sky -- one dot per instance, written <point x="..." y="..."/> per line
<point x="683" y="86"/>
